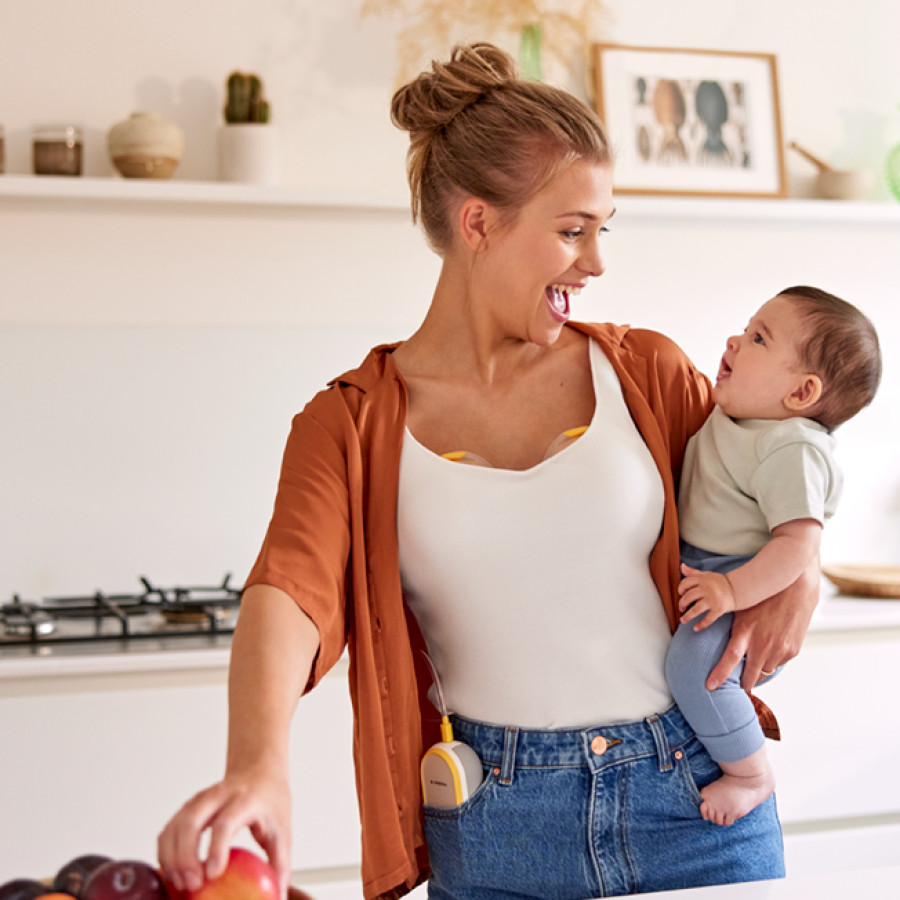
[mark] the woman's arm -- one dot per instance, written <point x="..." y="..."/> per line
<point x="272" y="655"/>
<point x="770" y="633"/>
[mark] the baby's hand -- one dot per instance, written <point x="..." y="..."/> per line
<point x="704" y="592"/>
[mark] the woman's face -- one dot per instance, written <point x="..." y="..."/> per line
<point x="533" y="267"/>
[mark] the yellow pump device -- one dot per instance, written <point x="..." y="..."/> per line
<point x="451" y="770"/>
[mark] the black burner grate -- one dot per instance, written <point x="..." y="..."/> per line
<point x="155" y="612"/>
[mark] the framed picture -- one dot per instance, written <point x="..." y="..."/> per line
<point x="691" y="122"/>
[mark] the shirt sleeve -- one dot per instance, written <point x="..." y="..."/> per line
<point x="307" y="544"/>
<point x="794" y="481"/>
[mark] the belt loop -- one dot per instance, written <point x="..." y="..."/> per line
<point x="508" y="763"/>
<point x="662" y="743"/>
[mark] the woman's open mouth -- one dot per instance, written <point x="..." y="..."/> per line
<point x="558" y="296"/>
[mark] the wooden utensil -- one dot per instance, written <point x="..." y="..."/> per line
<point x="820" y="164"/>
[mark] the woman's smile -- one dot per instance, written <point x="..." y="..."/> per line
<point x="559" y="297"/>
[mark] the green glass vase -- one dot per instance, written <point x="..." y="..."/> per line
<point x="892" y="171"/>
<point x="530" y="51"/>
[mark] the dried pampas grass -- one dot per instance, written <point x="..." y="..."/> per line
<point x="432" y="27"/>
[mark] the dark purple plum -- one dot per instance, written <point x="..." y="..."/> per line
<point x="73" y="876"/>
<point x="22" y="889"/>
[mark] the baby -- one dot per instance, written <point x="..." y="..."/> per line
<point x="759" y="482"/>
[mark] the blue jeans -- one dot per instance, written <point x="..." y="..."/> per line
<point x="569" y="814"/>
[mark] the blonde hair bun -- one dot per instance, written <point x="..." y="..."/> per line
<point x="438" y="96"/>
<point x="479" y="130"/>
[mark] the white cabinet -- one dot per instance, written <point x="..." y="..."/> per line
<point x="838" y="787"/>
<point x="96" y="762"/>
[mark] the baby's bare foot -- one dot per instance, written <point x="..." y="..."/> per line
<point x="733" y="796"/>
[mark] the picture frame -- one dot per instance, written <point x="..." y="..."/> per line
<point x="691" y="122"/>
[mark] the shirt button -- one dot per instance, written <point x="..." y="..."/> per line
<point x="599" y="745"/>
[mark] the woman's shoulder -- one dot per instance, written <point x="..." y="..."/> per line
<point x="373" y="379"/>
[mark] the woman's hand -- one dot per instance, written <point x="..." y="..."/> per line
<point x="769" y="634"/>
<point x="272" y="654"/>
<point x="259" y="801"/>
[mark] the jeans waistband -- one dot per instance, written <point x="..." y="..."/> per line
<point x="507" y="748"/>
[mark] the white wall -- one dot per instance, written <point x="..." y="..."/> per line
<point x="151" y="357"/>
<point x="329" y="74"/>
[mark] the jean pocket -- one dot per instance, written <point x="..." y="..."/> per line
<point x="473" y="800"/>
<point x="697" y="769"/>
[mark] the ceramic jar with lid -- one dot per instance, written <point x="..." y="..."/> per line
<point x="146" y="145"/>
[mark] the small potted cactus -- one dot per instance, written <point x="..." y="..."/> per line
<point x="246" y="102"/>
<point x="247" y="152"/>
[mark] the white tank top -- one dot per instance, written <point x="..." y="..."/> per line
<point x="532" y="588"/>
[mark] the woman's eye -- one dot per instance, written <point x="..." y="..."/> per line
<point x="573" y="235"/>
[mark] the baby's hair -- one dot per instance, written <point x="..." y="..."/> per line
<point x="841" y="346"/>
<point x="478" y="129"/>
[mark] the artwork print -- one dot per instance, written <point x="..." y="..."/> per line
<point x="691" y="122"/>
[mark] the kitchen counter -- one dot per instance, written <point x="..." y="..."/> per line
<point x="835" y="614"/>
<point x="145" y="655"/>
<point x="871" y="884"/>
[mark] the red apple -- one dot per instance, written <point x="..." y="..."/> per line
<point x="124" y="879"/>
<point x="246" y="877"/>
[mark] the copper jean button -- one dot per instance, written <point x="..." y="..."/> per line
<point x="599" y="745"/>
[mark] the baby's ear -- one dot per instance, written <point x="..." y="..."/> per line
<point x="807" y="393"/>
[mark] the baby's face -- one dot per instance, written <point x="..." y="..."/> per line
<point x="761" y="367"/>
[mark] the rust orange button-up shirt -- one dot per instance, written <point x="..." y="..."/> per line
<point x="332" y="545"/>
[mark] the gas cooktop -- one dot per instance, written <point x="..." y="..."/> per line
<point x="156" y="617"/>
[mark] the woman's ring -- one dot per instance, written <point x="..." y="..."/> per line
<point x="766" y="674"/>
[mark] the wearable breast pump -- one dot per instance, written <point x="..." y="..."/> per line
<point x="450" y="770"/>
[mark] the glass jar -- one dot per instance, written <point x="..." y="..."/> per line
<point x="57" y="150"/>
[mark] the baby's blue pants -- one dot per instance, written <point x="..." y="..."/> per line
<point x="725" y="719"/>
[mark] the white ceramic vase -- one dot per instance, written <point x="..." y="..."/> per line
<point x="146" y="145"/>
<point x="248" y="153"/>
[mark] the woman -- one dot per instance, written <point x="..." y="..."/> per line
<point x="526" y="576"/>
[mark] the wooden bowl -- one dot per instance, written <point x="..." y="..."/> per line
<point x="865" y="581"/>
<point x="852" y="184"/>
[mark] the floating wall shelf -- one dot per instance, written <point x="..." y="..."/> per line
<point x="218" y="194"/>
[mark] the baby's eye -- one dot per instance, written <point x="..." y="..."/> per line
<point x="758" y="338"/>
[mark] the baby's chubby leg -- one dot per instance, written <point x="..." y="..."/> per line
<point x="724" y="720"/>
<point x="744" y="784"/>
